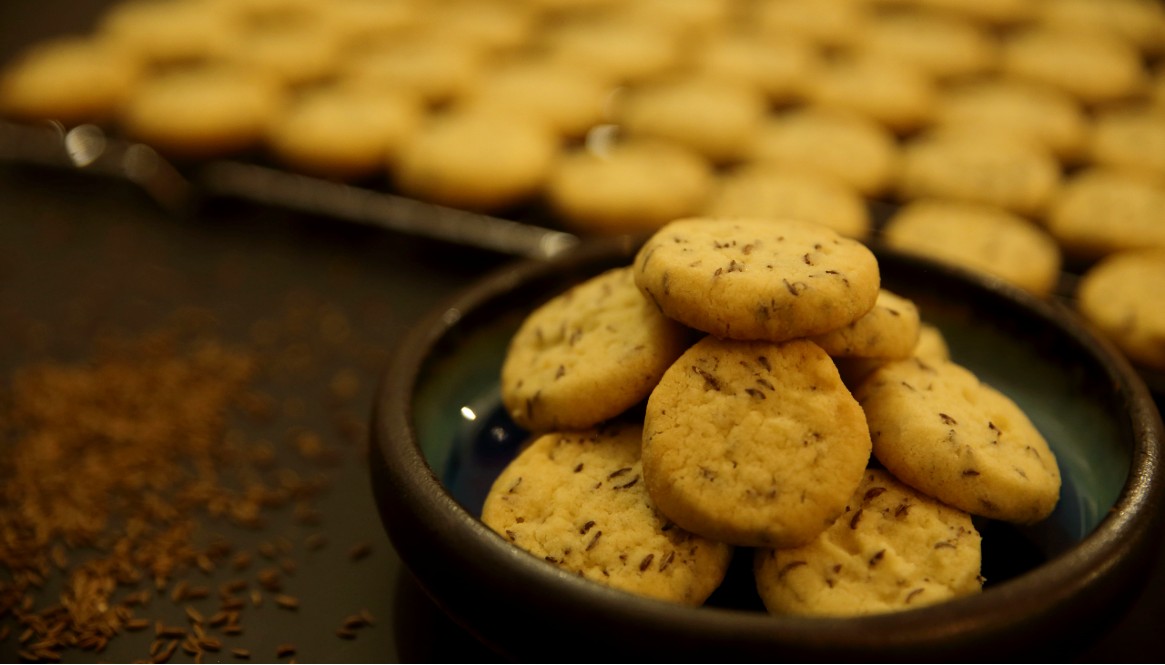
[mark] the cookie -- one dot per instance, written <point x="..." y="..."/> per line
<point x="714" y="117"/>
<point x="201" y="112"/>
<point x="764" y="190"/>
<point x="778" y="68"/>
<point x="1100" y="211"/>
<point x="979" y="167"/>
<point x="889" y="330"/>
<point x="72" y="80"/>
<point x="993" y="13"/>
<point x="1091" y="65"/>
<point x="899" y="96"/>
<point x="567" y="98"/>
<point x="171" y="32"/>
<point x="757" y="278"/>
<point x="294" y="51"/>
<point x="1131" y="138"/>
<point x="847" y="146"/>
<point x="942" y="45"/>
<point x="478" y="160"/>
<point x="425" y="63"/>
<point x="576" y="501"/>
<point x="617" y="51"/>
<point x="360" y="22"/>
<point x="494" y="26"/>
<point x="343" y="132"/>
<point x="588" y="355"/>
<point x="937" y="428"/>
<point x="753" y="443"/>
<point x="826" y="23"/>
<point x="1017" y="108"/>
<point x="985" y="239"/>
<point x="1121" y="295"/>
<point x="1139" y="22"/>
<point x="892" y="549"/>
<point x="627" y="187"/>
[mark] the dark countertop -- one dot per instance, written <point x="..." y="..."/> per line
<point x="82" y="258"/>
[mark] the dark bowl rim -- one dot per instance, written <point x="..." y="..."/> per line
<point x="1120" y="541"/>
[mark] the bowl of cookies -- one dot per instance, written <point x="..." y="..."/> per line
<point x="758" y="439"/>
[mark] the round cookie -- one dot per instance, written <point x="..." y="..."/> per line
<point x="828" y="23"/>
<point x="588" y="355"/>
<point x="847" y="146"/>
<point x="628" y="186"/>
<point x="567" y="98"/>
<point x="1099" y="211"/>
<point x="937" y="428"/>
<point x="1130" y="138"/>
<point x="477" y="159"/>
<point x="1017" y="108"/>
<point x="492" y="25"/>
<point x="979" y="167"/>
<point x="616" y="51"/>
<point x="890" y="330"/>
<point x="763" y="190"/>
<point x="892" y="549"/>
<point x="293" y="51"/>
<point x="1140" y="22"/>
<point x="575" y="500"/>
<point x="931" y="348"/>
<point x="994" y="13"/>
<point x="753" y="443"/>
<point x="73" y="80"/>
<point x="891" y="92"/>
<point x="202" y="112"/>
<point x="425" y="63"/>
<point x="779" y="68"/>
<point x="982" y="238"/>
<point x="166" y="32"/>
<point x="1091" y="65"/>
<point x="716" y="118"/>
<point x="757" y="278"/>
<point x="942" y="45"/>
<point x="1121" y="295"/>
<point x="344" y="132"/>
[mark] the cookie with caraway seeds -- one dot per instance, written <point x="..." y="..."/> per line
<point x="889" y="330"/>
<point x="937" y="428"/>
<point x="756" y="278"/>
<point x="892" y="549"/>
<point x="576" y="500"/>
<point x="753" y="443"/>
<point x="588" y="355"/>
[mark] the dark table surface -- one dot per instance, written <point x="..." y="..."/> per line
<point x="82" y="257"/>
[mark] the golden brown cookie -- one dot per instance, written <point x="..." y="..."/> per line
<point x="1122" y="296"/>
<point x="757" y="278"/>
<point x="753" y="443"/>
<point x="1100" y="211"/>
<point x="889" y="331"/>
<point x="576" y="501"/>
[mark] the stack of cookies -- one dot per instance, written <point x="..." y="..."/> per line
<point x="790" y="405"/>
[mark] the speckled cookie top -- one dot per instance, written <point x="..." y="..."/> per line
<point x="757" y="278"/>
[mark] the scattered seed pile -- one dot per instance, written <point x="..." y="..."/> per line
<point x="119" y="478"/>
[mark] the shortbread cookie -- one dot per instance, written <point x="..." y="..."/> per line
<point x="897" y="95"/>
<point x="937" y="428"/>
<point x="1089" y="64"/>
<point x="716" y="118"/>
<point x="983" y="238"/>
<point x="757" y="278"/>
<point x="495" y="26"/>
<point x="577" y="501"/>
<point x="359" y="22"/>
<point x="1122" y="297"/>
<point x="484" y="160"/>
<point x="567" y="98"/>
<point x="1100" y="211"/>
<point x="617" y="51"/>
<point x="292" y="51"/>
<point x="892" y="549"/>
<point x="889" y="330"/>
<point x="995" y="13"/>
<point x="72" y="80"/>
<point x="829" y="23"/>
<point x="167" y="32"/>
<point x="1018" y="108"/>
<point x="344" y="132"/>
<point x="753" y="443"/>
<point x="202" y="111"/>
<point x="845" y="145"/>
<point x="426" y="63"/>
<point x="764" y="190"/>
<point x="779" y="68"/>
<point x="627" y="186"/>
<point x="588" y="355"/>
<point x="688" y="19"/>
<point x="977" y="167"/>
<point x="1130" y="138"/>
<point x="944" y="46"/>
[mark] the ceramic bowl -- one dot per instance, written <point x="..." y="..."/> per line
<point x="440" y="437"/>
